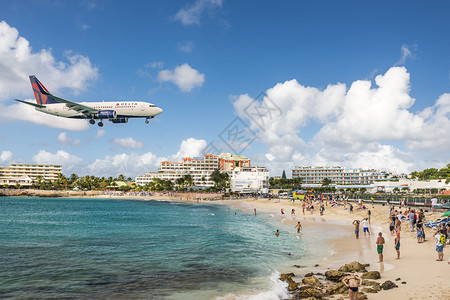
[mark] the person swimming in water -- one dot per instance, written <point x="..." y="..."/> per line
<point x="277" y="233"/>
<point x="352" y="285"/>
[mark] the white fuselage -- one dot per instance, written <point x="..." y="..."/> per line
<point x="123" y="109"/>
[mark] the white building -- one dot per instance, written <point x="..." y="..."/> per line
<point x="24" y="181"/>
<point x="337" y="175"/>
<point x="46" y="172"/>
<point x="250" y="180"/>
<point x="199" y="168"/>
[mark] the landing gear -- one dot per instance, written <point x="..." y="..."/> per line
<point x="100" y="124"/>
<point x="92" y="121"/>
<point x="146" y="121"/>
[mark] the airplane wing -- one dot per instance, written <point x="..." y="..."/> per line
<point x="85" y="110"/>
<point x="32" y="104"/>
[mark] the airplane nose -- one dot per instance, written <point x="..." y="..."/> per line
<point x="160" y="110"/>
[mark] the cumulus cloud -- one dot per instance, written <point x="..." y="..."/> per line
<point x="185" y="77"/>
<point x="133" y="164"/>
<point x="407" y="53"/>
<point x="186" y="46"/>
<point x="18" y="61"/>
<point x="6" y="157"/>
<point x="190" y="148"/>
<point x="354" y="127"/>
<point x="128" y="142"/>
<point x="192" y="14"/>
<point x="64" y="139"/>
<point x="69" y="162"/>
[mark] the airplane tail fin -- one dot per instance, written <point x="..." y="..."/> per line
<point x="41" y="94"/>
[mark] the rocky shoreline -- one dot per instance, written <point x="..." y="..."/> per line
<point x="44" y="193"/>
<point x="327" y="285"/>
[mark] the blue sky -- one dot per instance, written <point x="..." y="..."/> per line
<point x="350" y="83"/>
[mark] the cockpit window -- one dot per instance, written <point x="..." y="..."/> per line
<point x="152" y="105"/>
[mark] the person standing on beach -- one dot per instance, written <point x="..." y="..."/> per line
<point x="420" y="234"/>
<point x="380" y="244"/>
<point x="356" y="223"/>
<point x="365" y="225"/>
<point x="412" y="219"/>
<point x="303" y="206"/>
<point x="351" y="208"/>
<point x="293" y="213"/>
<point x="440" y="244"/>
<point x="299" y="227"/>
<point x="391" y="226"/>
<point x="397" y="244"/>
<point x="369" y="215"/>
<point x="254" y="211"/>
<point x="352" y="285"/>
<point x="282" y="212"/>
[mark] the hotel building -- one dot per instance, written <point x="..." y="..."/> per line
<point x="25" y="173"/>
<point x="337" y="175"/>
<point x="199" y="168"/>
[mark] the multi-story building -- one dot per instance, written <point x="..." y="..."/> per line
<point x="24" y="174"/>
<point x="250" y="180"/>
<point x="337" y="175"/>
<point x="199" y="168"/>
<point x="47" y="172"/>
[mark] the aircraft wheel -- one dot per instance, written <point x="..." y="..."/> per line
<point x="92" y="121"/>
<point x="146" y="121"/>
<point x="100" y="124"/>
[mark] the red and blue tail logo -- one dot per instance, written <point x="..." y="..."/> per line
<point x="41" y="94"/>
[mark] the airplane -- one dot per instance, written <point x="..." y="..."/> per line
<point x="115" y="112"/>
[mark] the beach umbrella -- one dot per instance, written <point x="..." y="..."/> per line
<point x="447" y="214"/>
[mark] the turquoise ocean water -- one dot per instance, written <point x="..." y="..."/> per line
<point x="121" y="249"/>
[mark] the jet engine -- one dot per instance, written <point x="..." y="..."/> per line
<point x="107" y="114"/>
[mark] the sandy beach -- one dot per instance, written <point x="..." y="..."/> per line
<point x="425" y="277"/>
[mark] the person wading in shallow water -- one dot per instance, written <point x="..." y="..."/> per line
<point x="380" y="243"/>
<point x="352" y="285"/>
<point x="356" y="223"/>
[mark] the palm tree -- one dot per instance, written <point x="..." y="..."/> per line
<point x="188" y="180"/>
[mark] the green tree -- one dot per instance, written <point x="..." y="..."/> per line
<point x="221" y="180"/>
<point x="283" y="176"/>
<point x="326" y="181"/>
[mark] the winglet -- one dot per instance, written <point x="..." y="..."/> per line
<point x="32" y="104"/>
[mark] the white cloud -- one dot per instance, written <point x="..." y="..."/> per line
<point x="191" y="15"/>
<point x="185" y="77"/>
<point x="186" y="46"/>
<point x="190" y="148"/>
<point x="19" y="61"/>
<point x="64" y="139"/>
<point x="133" y="164"/>
<point x="128" y="142"/>
<point x="363" y="126"/>
<point x="69" y="162"/>
<point x="100" y="133"/>
<point x="406" y="53"/>
<point x="6" y="157"/>
<point x="128" y="164"/>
